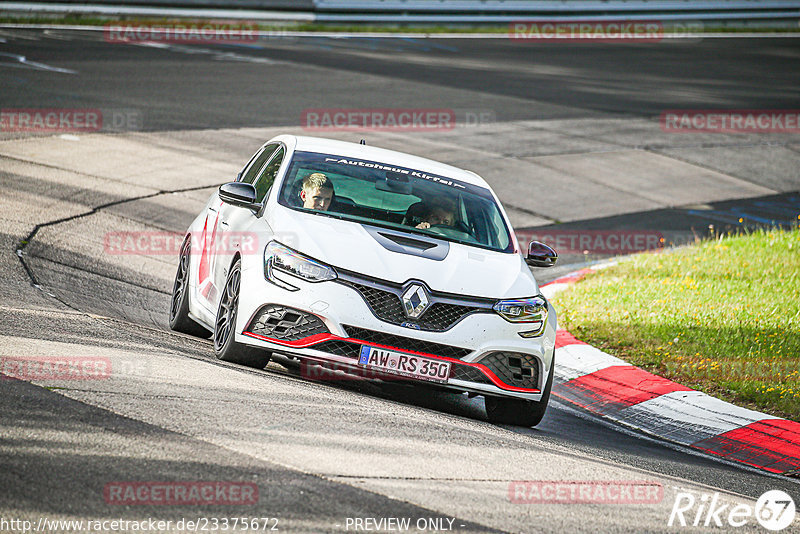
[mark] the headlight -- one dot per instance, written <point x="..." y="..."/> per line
<point x="532" y="310"/>
<point x="281" y="259"/>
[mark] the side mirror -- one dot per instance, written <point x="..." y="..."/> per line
<point x="540" y="255"/>
<point x="239" y="194"/>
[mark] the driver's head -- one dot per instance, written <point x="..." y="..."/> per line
<point x="317" y="192"/>
<point x="440" y="215"/>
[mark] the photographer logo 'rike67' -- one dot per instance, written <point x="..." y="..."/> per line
<point x="774" y="510"/>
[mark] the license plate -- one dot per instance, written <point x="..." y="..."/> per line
<point x="397" y="363"/>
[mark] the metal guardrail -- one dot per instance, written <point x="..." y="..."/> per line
<point x="548" y="6"/>
<point x="429" y="11"/>
<point x="484" y="11"/>
<point x="293" y="5"/>
<point x="193" y="11"/>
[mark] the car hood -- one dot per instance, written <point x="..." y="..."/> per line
<point x="348" y="245"/>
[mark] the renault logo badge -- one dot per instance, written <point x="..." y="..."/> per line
<point x="415" y="301"/>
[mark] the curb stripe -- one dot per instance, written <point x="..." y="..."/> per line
<point x="575" y="361"/>
<point x="771" y="444"/>
<point x="688" y="416"/>
<point x="614" y="388"/>
<point x="564" y="338"/>
<point x="573" y="277"/>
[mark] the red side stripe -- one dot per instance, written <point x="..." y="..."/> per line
<point x="770" y="444"/>
<point x="615" y="388"/>
<point x="564" y="338"/>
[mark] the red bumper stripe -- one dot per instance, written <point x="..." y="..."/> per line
<point x="316" y="339"/>
<point x="298" y="344"/>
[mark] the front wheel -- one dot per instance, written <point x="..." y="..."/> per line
<point x="225" y="346"/>
<point x="505" y="411"/>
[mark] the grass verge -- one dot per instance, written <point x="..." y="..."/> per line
<point x="721" y="316"/>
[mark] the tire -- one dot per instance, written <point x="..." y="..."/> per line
<point x="225" y="346"/>
<point x="505" y="411"/>
<point x="179" y="319"/>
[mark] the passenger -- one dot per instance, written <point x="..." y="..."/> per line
<point x="317" y="192"/>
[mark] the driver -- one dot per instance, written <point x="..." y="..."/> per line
<point x="437" y="215"/>
<point x="317" y="192"/>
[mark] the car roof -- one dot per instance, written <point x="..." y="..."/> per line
<point x="382" y="155"/>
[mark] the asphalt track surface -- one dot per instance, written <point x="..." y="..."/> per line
<point x="322" y="452"/>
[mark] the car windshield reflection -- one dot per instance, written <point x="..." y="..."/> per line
<point x="397" y="197"/>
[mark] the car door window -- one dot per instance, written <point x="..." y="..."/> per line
<point x="257" y="162"/>
<point x="268" y="174"/>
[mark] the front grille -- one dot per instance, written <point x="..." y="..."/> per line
<point x="406" y="343"/>
<point x="348" y="349"/>
<point x="515" y="369"/>
<point x="442" y="316"/>
<point x="387" y="306"/>
<point x="351" y="349"/>
<point x="287" y="324"/>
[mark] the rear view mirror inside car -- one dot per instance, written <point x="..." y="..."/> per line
<point x="395" y="182"/>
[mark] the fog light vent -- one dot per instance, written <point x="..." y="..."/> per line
<point x="513" y="368"/>
<point x="280" y="322"/>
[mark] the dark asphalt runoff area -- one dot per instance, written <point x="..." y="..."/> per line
<point x="321" y="453"/>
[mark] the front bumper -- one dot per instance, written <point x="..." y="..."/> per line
<point x="329" y="322"/>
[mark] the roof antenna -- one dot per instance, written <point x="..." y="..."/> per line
<point x="363" y="142"/>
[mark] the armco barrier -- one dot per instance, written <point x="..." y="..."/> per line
<point x="484" y="11"/>
<point x="422" y="11"/>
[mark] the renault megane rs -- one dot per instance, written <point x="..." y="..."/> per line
<point x="372" y="260"/>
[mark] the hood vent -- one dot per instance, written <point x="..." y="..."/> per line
<point x="431" y="248"/>
<point x="408" y="242"/>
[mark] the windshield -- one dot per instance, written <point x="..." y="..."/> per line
<point x="396" y="197"/>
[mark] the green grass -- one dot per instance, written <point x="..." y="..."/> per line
<point x="721" y="316"/>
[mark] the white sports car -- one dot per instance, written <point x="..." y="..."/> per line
<point x="372" y="262"/>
